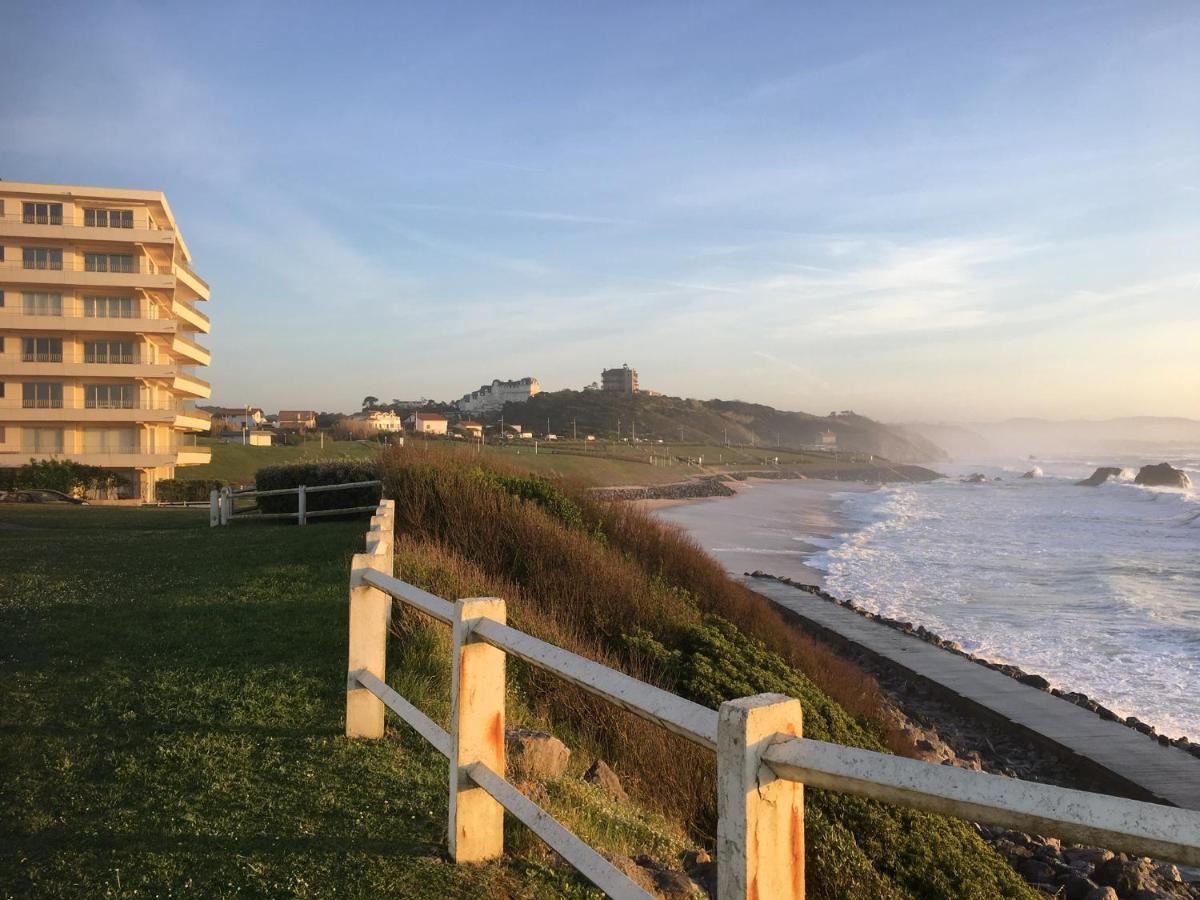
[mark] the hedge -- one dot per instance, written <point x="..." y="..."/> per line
<point x="180" y="490"/>
<point x="313" y="474"/>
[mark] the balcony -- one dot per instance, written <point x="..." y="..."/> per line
<point x="70" y="226"/>
<point x="185" y="312"/>
<point x="189" y="351"/>
<point x="183" y="451"/>
<point x="69" y="270"/>
<point x="80" y="411"/>
<point x="190" y="280"/>
<point x="74" y="363"/>
<point x="145" y="319"/>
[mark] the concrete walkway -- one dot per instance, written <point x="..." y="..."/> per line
<point x="1144" y="767"/>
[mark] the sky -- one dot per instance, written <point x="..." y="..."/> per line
<point x="919" y="211"/>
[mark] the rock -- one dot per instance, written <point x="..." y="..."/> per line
<point x="1077" y="887"/>
<point x="1088" y="856"/>
<point x="1162" y="475"/>
<point x="1127" y="876"/>
<point x="535" y="754"/>
<point x="1100" y="476"/>
<point x="1036" y="681"/>
<point x="656" y="880"/>
<point x="975" y="478"/>
<point x="605" y="779"/>
<point x="1036" y="870"/>
<point x="1101" y="893"/>
<point x="1035" y="472"/>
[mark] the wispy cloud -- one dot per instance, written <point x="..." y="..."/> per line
<point x="531" y="215"/>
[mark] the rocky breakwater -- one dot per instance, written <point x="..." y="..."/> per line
<point x="708" y="486"/>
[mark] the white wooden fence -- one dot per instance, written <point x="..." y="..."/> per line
<point x="222" y="511"/>
<point x="763" y="761"/>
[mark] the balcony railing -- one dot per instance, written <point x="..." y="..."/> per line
<point x="79" y="218"/>
<point x="92" y="358"/>
<point x="176" y="406"/>
<point x="148" y="311"/>
<point x="70" y="262"/>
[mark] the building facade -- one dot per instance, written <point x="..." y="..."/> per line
<point x="428" y="423"/>
<point x="380" y="420"/>
<point x="492" y="397"/>
<point x="623" y="380"/>
<point x="99" y="362"/>
<point x="296" y="420"/>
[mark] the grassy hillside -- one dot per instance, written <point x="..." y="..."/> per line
<point x="237" y="463"/>
<point x="712" y="422"/>
<point x="612" y="584"/>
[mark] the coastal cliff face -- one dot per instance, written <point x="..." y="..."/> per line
<point x="720" y="421"/>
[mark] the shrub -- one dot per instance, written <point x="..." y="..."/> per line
<point x="312" y="474"/>
<point x="179" y="490"/>
<point x="66" y="476"/>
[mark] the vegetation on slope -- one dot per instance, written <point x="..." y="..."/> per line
<point x="610" y="583"/>
<point x="714" y="422"/>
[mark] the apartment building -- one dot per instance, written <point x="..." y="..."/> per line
<point x="492" y="397"/>
<point x="98" y="323"/>
<point x="623" y="380"/>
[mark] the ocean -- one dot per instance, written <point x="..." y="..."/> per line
<point x="1095" y="588"/>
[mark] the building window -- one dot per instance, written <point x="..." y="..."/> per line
<point x="109" y="396"/>
<point x="108" y="262"/>
<point x="41" y="395"/>
<point x="41" y="213"/>
<point x="41" y="258"/>
<point x="109" y="352"/>
<point x="110" y="440"/>
<point x="41" y="349"/>
<point x="108" y="307"/>
<point x="108" y="218"/>
<point x="41" y="304"/>
<point x="41" y="440"/>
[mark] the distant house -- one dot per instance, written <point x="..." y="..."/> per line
<point x="297" y="419"/>
<point x="623" y="380"/>
<point x="828" y="439"/>
<point x="471" y="429"/>
<point x="239" y="416"/>
<point x="380" y="419"/>
<point x="427" y="423"/>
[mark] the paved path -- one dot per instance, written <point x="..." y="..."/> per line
<point x="1150" y="769"/>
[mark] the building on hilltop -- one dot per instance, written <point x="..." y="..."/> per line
<point x="427" y="423"/>
<point x="623" y="380"/>
<point x="98" y="322"/>
<point x="492" y="397"/>
<point x="828" y="439"/>
<point x="296" y="420"/>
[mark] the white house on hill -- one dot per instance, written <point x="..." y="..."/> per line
<point x="492" y="397"/>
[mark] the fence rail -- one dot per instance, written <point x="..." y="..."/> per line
<point x="222" y="510"/>
<point x="763" y="760"/>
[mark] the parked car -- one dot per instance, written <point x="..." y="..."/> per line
<point x="40" y="495"/>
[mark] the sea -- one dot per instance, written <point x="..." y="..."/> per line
<point x="1095" y="588"/>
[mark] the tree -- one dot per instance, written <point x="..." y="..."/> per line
<point x="370" y="402"/>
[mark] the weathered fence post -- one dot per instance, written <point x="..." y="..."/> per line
<point x="476" y="831"/>
<point x="370" y="612"/>
<point x="226" y="505"/>
<point x="760" y="817"/>
<point x="301" y="505"/>
<point x="214" y="508"/>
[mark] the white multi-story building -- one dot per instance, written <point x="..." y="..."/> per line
<point x="492" y="397"/>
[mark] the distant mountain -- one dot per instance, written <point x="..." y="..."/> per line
<point x="1146" y="435"/>
<point x="713" y="422"/>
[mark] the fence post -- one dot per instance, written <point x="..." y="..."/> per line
<point x="214" y="508"/>
<point x="301" y="504"/>
<point x="476" y="830"/>
<point x="226" y="505"/>
<point x="370" y="611"/>
<point x="760" y="817"/>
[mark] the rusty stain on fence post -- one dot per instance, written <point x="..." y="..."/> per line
<point x="476" y="828"/>
<point x="760" y="817"/>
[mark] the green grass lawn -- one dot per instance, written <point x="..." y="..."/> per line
<point x="237" y="463"/>
<point x="171" y="711"/>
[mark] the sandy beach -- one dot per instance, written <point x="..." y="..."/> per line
<point x="773" y="530"/>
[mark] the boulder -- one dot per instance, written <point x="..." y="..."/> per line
<point x="1162" y="475"/>
<point x="535" y="754"/>
<point x="1035" y="472"/>
<point x="1101" y="893"/>
<point x="656" y="880"/>
<point x="605" y="779"/>
<point x="1100" y="476"/>
<point x="975" y="478"/>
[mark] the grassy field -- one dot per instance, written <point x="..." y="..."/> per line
<point x="237" y="463"/>
<point x="171" y="702"/>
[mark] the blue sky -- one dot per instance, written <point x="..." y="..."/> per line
<point x="918" y="211"/>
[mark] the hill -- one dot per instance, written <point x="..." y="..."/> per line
<point x="732" y="422"/>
